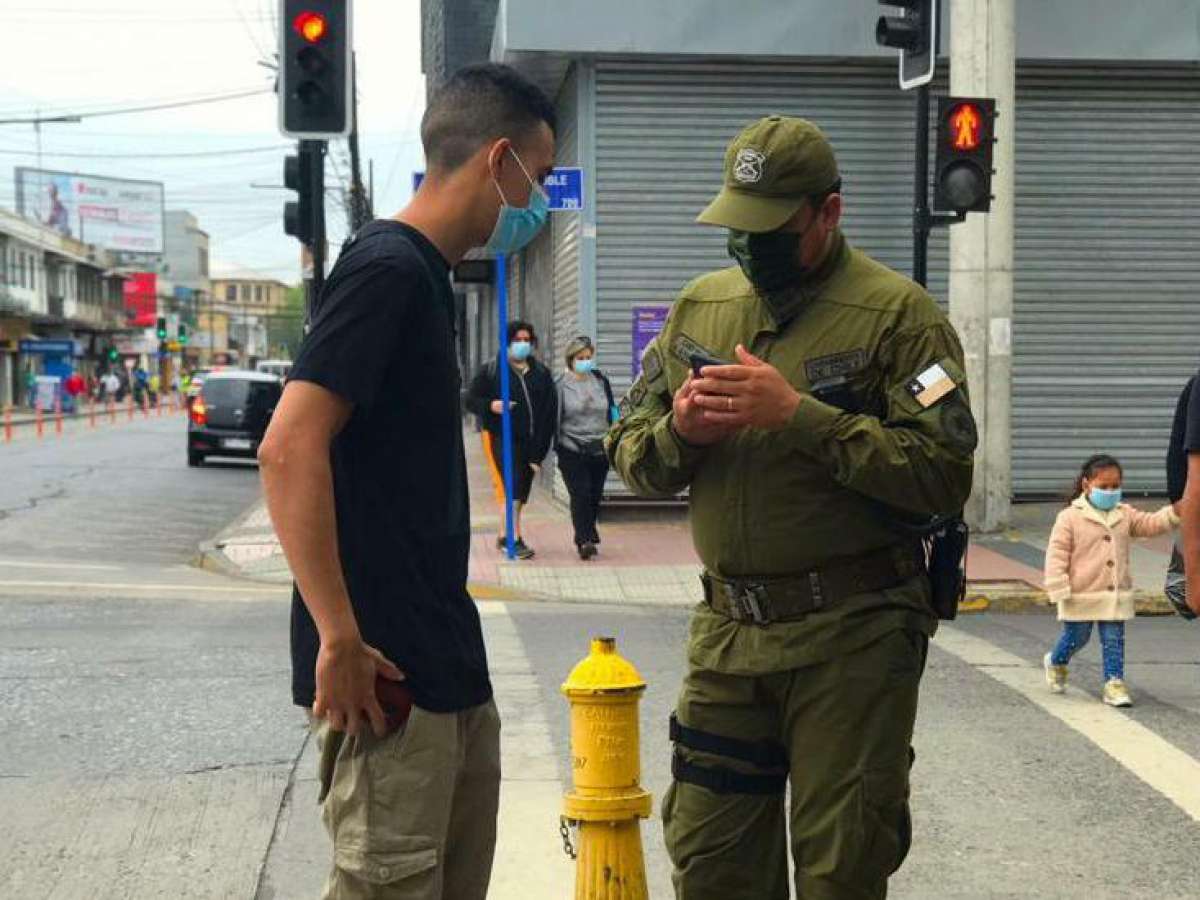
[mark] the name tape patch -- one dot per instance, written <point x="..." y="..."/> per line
<point x="931" y="386"/>
<point x="838" y="364"/>
<point x="684" y="348"/>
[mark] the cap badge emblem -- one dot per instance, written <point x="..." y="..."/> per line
<point x="748" y="166"/>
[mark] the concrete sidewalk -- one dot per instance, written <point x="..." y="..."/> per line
<point x="647" y="558"/>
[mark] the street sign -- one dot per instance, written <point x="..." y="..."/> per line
<point x="564" y="186"/>
<point x="48" y="348"/>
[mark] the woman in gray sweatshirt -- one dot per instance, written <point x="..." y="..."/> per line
<point x="585" y="412"/>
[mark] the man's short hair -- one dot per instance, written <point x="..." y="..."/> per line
<point x="477" y="105"/>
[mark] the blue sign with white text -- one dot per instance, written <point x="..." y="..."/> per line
<point x="565" y="189"/>
<point x="49" y="348"/>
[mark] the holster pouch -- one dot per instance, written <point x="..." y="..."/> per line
<point x="946" y="560"/>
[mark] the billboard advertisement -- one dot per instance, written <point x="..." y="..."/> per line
<point x="141" y="299"/>
<point x="114" y="213"/>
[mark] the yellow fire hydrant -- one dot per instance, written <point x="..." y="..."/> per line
<point x="608" y="802"/>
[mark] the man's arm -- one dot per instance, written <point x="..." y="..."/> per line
<point x="297" y="482"/>
<point x="1189" y="515"/>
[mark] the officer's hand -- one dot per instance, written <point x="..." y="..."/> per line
<point x="751" y="395"/>
<point x="498" y="406"/>
<point x="689" y="419"/>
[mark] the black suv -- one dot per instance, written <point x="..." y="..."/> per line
<point x="230" y="414"/>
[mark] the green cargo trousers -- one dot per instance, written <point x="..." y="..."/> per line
<point x="846" y="728"/>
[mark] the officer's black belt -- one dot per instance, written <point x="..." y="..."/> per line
<point x="775" y="599"/>
<point x="726" y="781"/>
<point x="766" y="754"/>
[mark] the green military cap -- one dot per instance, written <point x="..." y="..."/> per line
<point x="770" y="169"/>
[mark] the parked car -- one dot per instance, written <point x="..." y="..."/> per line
<point x="230" y="414"/>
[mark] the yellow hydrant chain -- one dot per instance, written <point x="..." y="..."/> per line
<point x="564" y="828"/>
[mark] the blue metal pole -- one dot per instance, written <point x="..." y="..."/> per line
<point x="506" y="406"/>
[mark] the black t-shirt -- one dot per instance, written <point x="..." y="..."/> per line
<point x="383" y="338"/>
<point x="1185" y="439"/>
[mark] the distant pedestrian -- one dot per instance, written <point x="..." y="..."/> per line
<point x="364" y="473"/>
<point x="75" y="388"/>
<point x="1088" y="572"/>
<point x="585" y="412"/>
<point x="111" y="386"/>
<point x="534" y="405"/>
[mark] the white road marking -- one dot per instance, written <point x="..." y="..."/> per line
<point x="1157" y="762"/>
<point x="88" y="567"/>
<point x="530" y="863"/>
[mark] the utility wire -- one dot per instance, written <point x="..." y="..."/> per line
<point x="129" y="110"/>
<point x="192" y="155"/>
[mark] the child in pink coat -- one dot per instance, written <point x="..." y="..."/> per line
<point x="1088" y="573"/>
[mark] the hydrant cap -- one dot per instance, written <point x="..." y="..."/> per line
<point x="603" y="670"/>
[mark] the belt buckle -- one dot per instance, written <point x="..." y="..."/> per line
<point x="751" y="599"/>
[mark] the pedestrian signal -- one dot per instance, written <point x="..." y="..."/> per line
<point x="161" y="329"/>
<point x="965" y="140"/>
<point x="182" y="336"/>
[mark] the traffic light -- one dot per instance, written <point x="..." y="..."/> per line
<point x="315" y="84"/>
<point x="914" y="33"/>
<point x="965" y="140"/>
<point x="182" y="335"/>
<point x="298" y="213"/>
<point x="113" y="355"/>
<point x="161" y="328"/>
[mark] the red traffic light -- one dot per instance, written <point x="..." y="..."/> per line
<point x="311" y="26"/>
<point x="966" y="127"/>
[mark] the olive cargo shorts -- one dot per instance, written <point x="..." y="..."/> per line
<point x="846" y="726"/>
<point x="412" y="815"/>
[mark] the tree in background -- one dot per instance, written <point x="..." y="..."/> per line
<point x="285" y="326"/>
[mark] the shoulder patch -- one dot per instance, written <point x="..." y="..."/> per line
<point x="835" y="365"/>
<point x="931" y="386"/>
<point x="634" y="397"/>
<point x="652" y="364"/>
<point x="959" y="426"/>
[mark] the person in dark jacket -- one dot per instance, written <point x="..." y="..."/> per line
<point x="585" y="412"/>
<point x="534" y="408"/>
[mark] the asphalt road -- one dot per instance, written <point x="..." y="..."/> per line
<point x="150" y="748"/>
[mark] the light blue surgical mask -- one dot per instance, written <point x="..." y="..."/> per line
<point x="1104" y="500"/>
<point x="585" y="366"/>
<point x="520" y="350"/>
<point x="516" y="226"/>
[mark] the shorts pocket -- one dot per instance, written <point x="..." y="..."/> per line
<point x="406" y="857"/>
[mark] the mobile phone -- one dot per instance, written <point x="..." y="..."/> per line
<point x="700" y="360"/>
<point x="396" y="699"/>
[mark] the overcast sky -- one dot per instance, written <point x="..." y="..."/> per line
<point x="68" y="56"/>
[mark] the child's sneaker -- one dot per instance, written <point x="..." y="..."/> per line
<point x="1056" y="676"/>
<point x="1116" y="694"/>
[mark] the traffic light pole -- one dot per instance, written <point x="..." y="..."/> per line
<point x="924" y="219"/>
<point x="315" y="151"/>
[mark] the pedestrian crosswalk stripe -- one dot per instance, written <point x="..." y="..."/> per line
<point x="1156" y="761"/>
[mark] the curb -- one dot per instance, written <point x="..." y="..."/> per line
<point x="210" y="555"/>
<point x="1020" y="597"/>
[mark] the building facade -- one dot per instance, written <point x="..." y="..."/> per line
<point x="1107" y="120"/>
<point x="61" y="305"/>
<point x="247" y="302"/>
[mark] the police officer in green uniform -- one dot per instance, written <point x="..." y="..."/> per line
<point x="839" y="425"/>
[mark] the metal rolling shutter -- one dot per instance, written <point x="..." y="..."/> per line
<point x="566" y="229"/>
<point x="661" y="132"/>
<point x="1106" y="322"/>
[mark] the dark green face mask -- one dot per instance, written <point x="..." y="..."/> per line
<point x="771" y="260"/>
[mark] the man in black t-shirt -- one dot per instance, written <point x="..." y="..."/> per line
<point x="365" y="479"/>
<point x="1183" y="483"/>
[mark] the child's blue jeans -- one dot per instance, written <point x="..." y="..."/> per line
<point x="1112" y="644"/>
